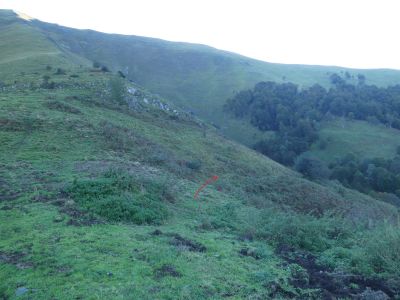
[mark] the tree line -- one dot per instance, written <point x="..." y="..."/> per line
<point x="294" y="115"/>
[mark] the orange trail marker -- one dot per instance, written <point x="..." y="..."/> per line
<point x="212" y="179"/>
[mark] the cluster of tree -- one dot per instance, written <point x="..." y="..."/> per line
<point x="294" y="114"/>
<point x="100" y="66"/>
<point x="377" y="174"/>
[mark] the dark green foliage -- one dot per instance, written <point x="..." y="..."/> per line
<point x="60" y="71"/>
<point x="74" y="76"/>
<point x="313" y="168"/>
<point x="381" y="175"/>
<point x="105" y="69"/>
<point x="47" y="84"/>
<point x="398" y="150"/>
<point x="118" y="197"/>
<point x="302" y="231"/>
<point x="118" y="90"/>
<point x="361" y="79"/>
<point x="116" y="137"/>
<point x="294" y="115"/>
<point x="337" y="80"/>
<point x="194" y="164"/>
<point x="48" y="68"/>
<point x="122" y="75"/>
<point x="96" y="64"/>
<point x="380" y="252"/>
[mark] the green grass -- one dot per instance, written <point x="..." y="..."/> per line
<point x="196" y="77"/>
<point x="361" y="138"/>
<point x="84" y="184"/>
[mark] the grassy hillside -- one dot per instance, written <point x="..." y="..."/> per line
<point x="361" y="138"/>
<point x="196" y="77"/>
<point x="96" y="200"/>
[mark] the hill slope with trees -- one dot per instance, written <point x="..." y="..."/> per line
<point x="97" y="177"/>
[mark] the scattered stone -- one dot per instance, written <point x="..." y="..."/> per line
<point x="369" y="294"/>
<point x="58" y="219"/>
<point x="69" y="202"/>
<point x="21" y="290"/>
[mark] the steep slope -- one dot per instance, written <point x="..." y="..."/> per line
<point x="96" y="200"/>
<point x="196" y="77"/>
<point x="26" y="49"/>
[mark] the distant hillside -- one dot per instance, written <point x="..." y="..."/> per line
<point x="196" y="77"/>
<point x="97" y="184"/>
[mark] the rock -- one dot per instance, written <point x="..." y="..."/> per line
<point x="58" y="219"/>
<point x="369" y="294"/>
<point x="21" y="290"/>
<point x="69" y="202"/>
<point x="156" y="232"/>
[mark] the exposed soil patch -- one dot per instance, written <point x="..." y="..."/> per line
<point x="332" y="285"/>
<point x="16" y="259"/>
<point x="181" y="242"/>
<point x="63" y="107"/>
<point x="166" y="270"/>
<point x="79" y="218"/>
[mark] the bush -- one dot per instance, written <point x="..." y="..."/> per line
<point x="46" y="84"/>
<point x="302" y="231"/>
<point x="121" y="74"/>
<point x="60" y="71"/>
<point x="312" y="168"/>
<point x="118" y="90"/>
<point x="382" y="250"/>
<point x="118" y="197"/>
<point x="194" y="164"/>
<point x="116" y="137"/>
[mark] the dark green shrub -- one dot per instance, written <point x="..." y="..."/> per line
<point x="194" y="164"/>
<point x="382" y="250"/>
<point x="96" y="64"/>
<point x="116" y="137"/>
<point x="118" y="90"/>
<point x="60" y="71"/>
<point x="118" y="197"/>
<point x="302" y="231"/>
<point x="46" y="84"/>
<point x="312" y="168"/>
<point x="121" y="74"/>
